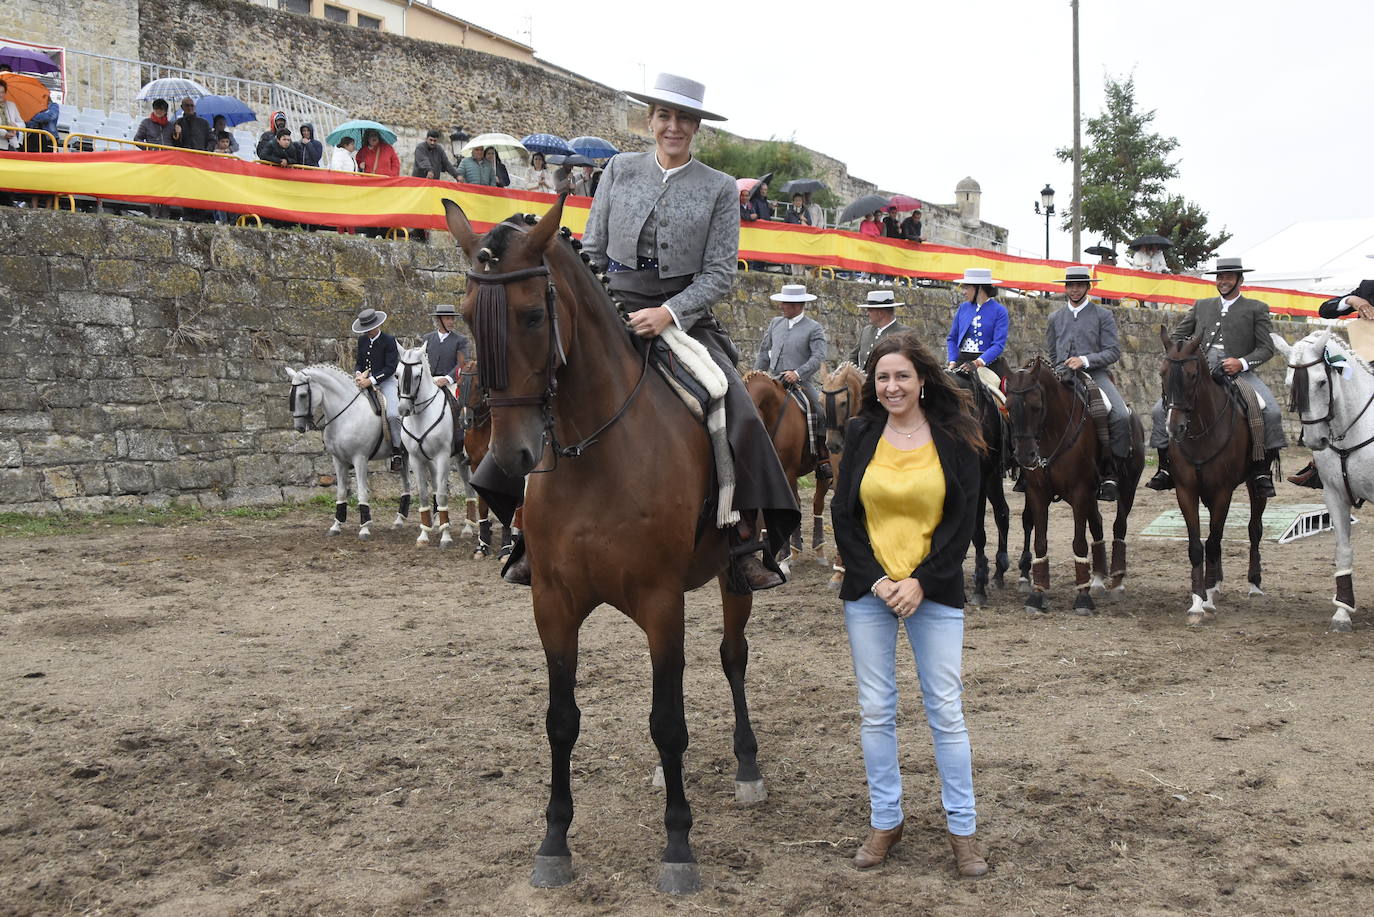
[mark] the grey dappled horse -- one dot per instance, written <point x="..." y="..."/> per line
<point x="427" y="430"/>
<point x="1333" y="396"/>
<point x="325" y="398"/>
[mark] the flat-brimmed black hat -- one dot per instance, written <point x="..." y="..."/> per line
<point x="367" y="320"/>
<point x="1229" y="266"/>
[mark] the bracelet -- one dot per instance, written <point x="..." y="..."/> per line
<point x="873" y="590"/>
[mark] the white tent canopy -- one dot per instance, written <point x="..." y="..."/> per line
<point x="1320" y="256"/>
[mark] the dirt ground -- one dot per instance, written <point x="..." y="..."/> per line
<point x="243" y="717"/>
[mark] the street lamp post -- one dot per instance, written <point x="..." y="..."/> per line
<point x="1046" y="206"/>
<point x="457" y="140"/>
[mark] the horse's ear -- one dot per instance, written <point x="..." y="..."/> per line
<point x="459" y="226"/>
<point x="290" y="373"/>
<point x="544" y="231"/>
<point x="1164" y="336"/>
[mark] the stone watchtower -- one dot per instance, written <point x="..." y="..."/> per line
<point x="967" y="197"/>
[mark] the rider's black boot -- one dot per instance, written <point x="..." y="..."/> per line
<point x="1163" y="479"/>
<point x="1107" y="490"/>
<point x="1262" y="475"/>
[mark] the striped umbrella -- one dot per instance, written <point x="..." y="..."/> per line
<point x="593" y="147"/>
<point x="548" y="144"/>
<point x="171" y="88"/>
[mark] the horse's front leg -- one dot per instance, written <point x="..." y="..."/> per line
<point x="1001" y="517"/>
<point x="1038" y="504"/>
<point x="734" y="659"/>
<point x="818" y="520"/>
<point x="364" y="498"/>
<point x="1256" y="530"/>
<point x="1083" y="603"/>
<point x="1023" y="583"/>
<point x="422" y="481"/>
<point x="1219" y="508"/>
<point x="1188" y="507"/>
<point x="340" y="495"/>
<point x="558" y="624"/>
<point x="662" y="621"/>
<point x="439" y="468"/>
<point x="1124" y="504"/>
<point x="403" y="510"/>
<point x="1344" y="599"/>
<point x="1099" y="551"/>
<point x="469" y="497"/>
<point x="979" y="597"/>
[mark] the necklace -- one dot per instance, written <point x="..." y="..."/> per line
<point x="893" y="428"/>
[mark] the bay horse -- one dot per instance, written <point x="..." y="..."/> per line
<point x="476" y="419"/>
<point x="993" y="468"/>
<point x="1209" y="451"/>
<point x="428" y="428"/>
<point x="841" y="399"/>
<point x="1333" y="395"/>
<point x="1055" y="443"/>
<point x="616" y="518"/>
<point x="785" y="421"/>
<point x="353" y="435"/>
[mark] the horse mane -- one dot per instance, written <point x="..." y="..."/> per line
<point x="755" y="374"/>
<point x="1349" y="353"/>
<point x="332" y="368"/>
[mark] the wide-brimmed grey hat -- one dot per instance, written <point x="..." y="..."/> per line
<point x="881" y="299"/>
<point x="367" y="320"/>
<point x="1229" y="266"/>
<point x="793" y="292"/>
<point x="1077" y="273"/>
<point x="445" y="309"/>
<point x="978" y="276"/>
<point x="680" y="93"/>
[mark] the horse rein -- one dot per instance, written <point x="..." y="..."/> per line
<point x="1187" y="411"/>
<point x="491" y="363"/>
<point x="407" y="382"/>
<point x="310" y="405"/>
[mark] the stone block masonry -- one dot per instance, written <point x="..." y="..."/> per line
<point x="141" y="362"/>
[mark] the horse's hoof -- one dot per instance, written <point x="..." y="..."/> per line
<point x="1255" y="590"/>
<point x="1194" y="619"/>
<point x="750" y="792"/>
<point x="398" y="522"/>
<point x="364" y="536"/>
<point x="786" y="568"/>
<point x="1032" y="610"/>
<point x="551" y="872"/>
<point x="834" y="585"/>
<point x="1097" y="588"/>
<point x="1339" y="627"/>
<point x="978" y="599"/>
<point x="332" y="532"/>
<point x="679" y="879"/>
<point x="445" y="543"/>
<point x="1023" y="586"/>
<point x="999" y="581"/>
<point x="1117" y="593"/>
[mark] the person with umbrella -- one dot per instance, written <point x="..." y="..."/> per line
<point x="1147" y="253"/>
<point x="44" y="120"/>
<point x="664" y="227"/>
<point x="378" y="156"/>
<point x="477" y="169"/>
<point x="892" y="229"/>
<point x="219" y="130"/>
<point x="341" y="159"/>
<point x="911" y="227"/>
<point x="190" y="131"/>
<point x="871" y="226"/>
<point x="9" y="114"/>
<point x="797" y="212"/>
<point x="540" y="178"/>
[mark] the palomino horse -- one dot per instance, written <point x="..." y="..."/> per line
<point x="1333" y="395"/>
<point x="353" y="434"/>
<point x="616" y="518"/>
<point x="428" y="430"/>
<point x="786" y="424"/>
<point x="993" y="469"/>
<point x="1056" y="445"/>
<point x="841" y="396"/>
<point x="1209" y="450"/>
<point x="476" y="417"/>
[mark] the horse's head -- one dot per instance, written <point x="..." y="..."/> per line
<point x="1028" y="410"/>
<point x="1181" y="372"/>
<point x="414" y="369"/>
<point x="840" y="401"/>
<point x="511" y="308"/>
<point x="301" y="401"/>
<point x="1311" y="383"/>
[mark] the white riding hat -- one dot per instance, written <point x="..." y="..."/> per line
<point x="1229" y="266"/>
<point x="793" y="292"/>
<point x="367" y="320"/>
<point x="979" y="276"/>
<point x="680" y="93"/>
<point x="881" y="299"/>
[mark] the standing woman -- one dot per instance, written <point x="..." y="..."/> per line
<point x="978" y="334"/>
<point x="904" y="508"/>
<point x="665" y="228"/>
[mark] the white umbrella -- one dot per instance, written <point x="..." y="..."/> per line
<point x="504" y="144"/>
<point x="171" y="88"/>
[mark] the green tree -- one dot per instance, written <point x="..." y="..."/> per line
<point x="752" y="158"/>
<point x="1126" y="167"/>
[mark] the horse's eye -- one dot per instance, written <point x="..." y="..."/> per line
<point x="533" y="318"/>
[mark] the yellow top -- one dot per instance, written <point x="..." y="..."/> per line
<point x="903" y="495"/>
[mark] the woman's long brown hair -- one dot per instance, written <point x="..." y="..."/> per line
<point x="945" y="403"/>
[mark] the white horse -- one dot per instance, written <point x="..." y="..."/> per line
<point x="1333" y="395"/>
<point x="325" y="398"/>
<point x="427" y="429"/>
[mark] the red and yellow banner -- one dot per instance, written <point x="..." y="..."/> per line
<point x="344" y="199"/>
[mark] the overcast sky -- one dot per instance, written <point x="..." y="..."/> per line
<point x="1269" y="100"/>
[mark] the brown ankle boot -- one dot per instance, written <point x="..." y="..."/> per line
<point x="967" y="860"/>
<point x="875" y="849"/>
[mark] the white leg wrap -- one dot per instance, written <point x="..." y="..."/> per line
<point x="1080" y="560"/>
<point x="1040" y="560"/>
<point x="1340" y="573"/>
<point x="443" y="509"/>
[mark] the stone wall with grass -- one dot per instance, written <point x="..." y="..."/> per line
<point x="141" y="362"/>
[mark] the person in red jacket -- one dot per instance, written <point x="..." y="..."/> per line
<point x="378" y="156"/>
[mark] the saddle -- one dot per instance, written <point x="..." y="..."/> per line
<point x="1248" y="400"/>
<point x="680" y="379"/>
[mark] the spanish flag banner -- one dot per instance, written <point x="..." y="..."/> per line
<point x="350" y="200"/>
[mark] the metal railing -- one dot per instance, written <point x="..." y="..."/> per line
<point x="110" y="84"/>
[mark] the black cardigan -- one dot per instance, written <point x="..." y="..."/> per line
<point x="942" y="572"/>
<point x="1332" y="307"/>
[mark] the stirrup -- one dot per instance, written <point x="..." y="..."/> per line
<point x="1163" y="480"/>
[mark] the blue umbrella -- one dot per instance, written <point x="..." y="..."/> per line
<point x="593" y="147"/>
<point x="548" y="144"/>
<point x="355" y="129"/>
<point x="27" y="60"/>
<point x="171" y="88"/>
<point x="235" y="112"/>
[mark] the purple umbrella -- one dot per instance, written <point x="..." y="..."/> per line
<point x="27" y="60"/>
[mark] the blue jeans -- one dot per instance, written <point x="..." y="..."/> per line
<point x="936" y="633"/>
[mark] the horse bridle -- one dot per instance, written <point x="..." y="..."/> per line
<point x="1187" y="410"/>
<point x="1071" y="430"/>
<point x="409" y="382"/>
<point x="490" y="329"/>
<point x="472" y="417"/>
<point x="1299" y="405"/>
<point x="309" y="413"/>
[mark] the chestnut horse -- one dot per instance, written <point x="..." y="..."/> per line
<point x="786" y="424"/>
<point x="1209" y="451"/>
<point x="476" y="417"/>
<point x="1056" y="445"/>
<point x="841" y="397"/>
<point x="616" y="518"/>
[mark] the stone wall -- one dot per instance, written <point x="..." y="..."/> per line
<point x="141" y="361"/>
<point x="98" y="26"/>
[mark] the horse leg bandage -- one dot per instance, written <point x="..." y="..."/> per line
<point x="341" y="512"/>
<point x="364" y="513"/>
